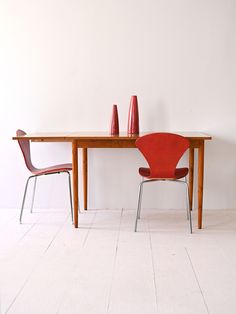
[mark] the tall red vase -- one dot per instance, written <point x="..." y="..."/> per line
<point x="133" y="119"/>
<point x="114" y="121"/>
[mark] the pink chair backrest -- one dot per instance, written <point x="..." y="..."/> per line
<point x="25" y="148"/>
<point x="162" y="152"/>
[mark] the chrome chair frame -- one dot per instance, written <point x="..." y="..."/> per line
<point x="34" y="188"/>
<point x="169" y="180"/>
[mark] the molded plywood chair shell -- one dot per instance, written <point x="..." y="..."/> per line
<point x="61" y="168"/>
<point x="162" y="152"/>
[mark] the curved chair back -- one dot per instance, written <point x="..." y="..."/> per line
<point x="25" y="148"/>
<point x="162" y="152"/>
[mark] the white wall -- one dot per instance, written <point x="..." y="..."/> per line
<point x="64" y="63"/>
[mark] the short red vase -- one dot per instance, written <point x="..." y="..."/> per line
<point x="133" y="119"/>
<point x="114" y="121"/>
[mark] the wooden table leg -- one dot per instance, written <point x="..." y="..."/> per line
<point x="75" y="181"/>
<point x="200" y="182"/>
<point x="85" y="177"/>
<point x="191" y="176"/>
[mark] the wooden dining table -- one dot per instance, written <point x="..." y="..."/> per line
<point x="85" y="140"/>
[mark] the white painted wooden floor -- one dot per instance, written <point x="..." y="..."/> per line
<point x="47" y="266"/>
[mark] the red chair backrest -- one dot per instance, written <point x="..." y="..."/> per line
<point x="25" y="148"/>
<point x="162" y="152"/>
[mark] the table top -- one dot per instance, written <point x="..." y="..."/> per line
<point x="70" y="136"/>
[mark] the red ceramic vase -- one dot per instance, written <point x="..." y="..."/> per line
<point x="133" y="119"/>
<point x="114" y="121"/>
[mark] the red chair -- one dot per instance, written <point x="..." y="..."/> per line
<point x="162" y="151"/>
<point x="63" y="168"/>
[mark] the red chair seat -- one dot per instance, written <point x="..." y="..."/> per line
<point x="179" y="173"/>
<point x="64" y="168"/>
<point x="162" y="152"/>
<point x="53" y="169"/>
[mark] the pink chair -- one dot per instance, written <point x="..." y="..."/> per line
<point x="162" y="152"/>
<point x="63" y="168"/>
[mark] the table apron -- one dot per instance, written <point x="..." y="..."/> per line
<point x="105" y="144"/>
<point x="196" y="143"/>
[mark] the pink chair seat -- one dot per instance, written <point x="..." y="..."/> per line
<point x="53" y="169"/>
<point x="179" y="173"/>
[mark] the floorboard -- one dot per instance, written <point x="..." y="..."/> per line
<point x="104" y="267"/>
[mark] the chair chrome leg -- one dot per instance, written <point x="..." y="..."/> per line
<point x="71" y="206"/>
<point x="139" y="205"/>
<point x="188" y="208"/>
<point x="32" y="203"/>
<point x="187" y="199"/>
<point x="141" y="198"/>
<point x="23" y="201"/>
